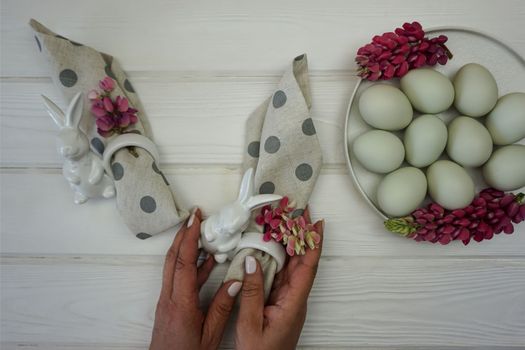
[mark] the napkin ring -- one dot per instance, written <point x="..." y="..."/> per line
<point x="128" y="140"/>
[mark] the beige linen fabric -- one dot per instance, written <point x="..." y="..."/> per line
<point x="282" y="147"/>
<point x="144" y="199"/>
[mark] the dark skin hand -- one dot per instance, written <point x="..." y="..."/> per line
<point x="277" y="325"/>
<point x="180" y="323"/>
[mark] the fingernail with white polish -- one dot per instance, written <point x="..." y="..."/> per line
<point x="250" y="265"/>
<point x="234" y="289"/>
<point x="192" y="218"/>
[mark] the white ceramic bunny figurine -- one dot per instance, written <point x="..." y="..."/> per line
<point x="221" y="232"/>
<point x="82" y="168"/>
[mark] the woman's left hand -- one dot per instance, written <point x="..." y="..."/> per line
<point x="179" y="321"/>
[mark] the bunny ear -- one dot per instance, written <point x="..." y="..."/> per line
<point x="55" y="112"/>
<point x="262" y="199"/>
<point x="246" y="190"/>
<point x="74" y="111"/>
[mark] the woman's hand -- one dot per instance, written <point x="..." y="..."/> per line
<point x="277" y="325"/>
<point x="179" y="321"/>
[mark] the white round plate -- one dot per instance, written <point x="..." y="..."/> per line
<point x="467" y="46"/>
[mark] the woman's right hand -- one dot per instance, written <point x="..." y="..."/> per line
<point x="277" y="325"/>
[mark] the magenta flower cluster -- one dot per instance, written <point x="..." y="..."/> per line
<point x="490" y="213"/>
<point x="393" y="54"/>
<point x="113" y="116"/>
<point x="294" y="233"/>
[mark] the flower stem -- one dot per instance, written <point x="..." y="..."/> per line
<point x="402" y="226"/>
<point x="133" y="151"/>
<point x="447" y="51"/>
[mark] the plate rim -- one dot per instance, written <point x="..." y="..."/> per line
<point x="348" y="162"/>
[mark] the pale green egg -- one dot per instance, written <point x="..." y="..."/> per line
<point x="428" y="90"/>
<point x="385" y="107"/>
<point x="476" y="90"/>
<point x="469" y="142"/>
<point x="506" y="122"/>
<point x="379" y="151"/>
<point x="402" y="191"/>
<point x="425" y="139"/>
<point x="505" y="170"/>
<point x="450" y="185"/>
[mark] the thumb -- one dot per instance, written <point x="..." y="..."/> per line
<point x="218" y="313"/>
<point x="252" y="296"/>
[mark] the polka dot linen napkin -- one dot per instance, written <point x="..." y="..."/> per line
<point x="144" y="199"/>
<point x="282" y="147"/>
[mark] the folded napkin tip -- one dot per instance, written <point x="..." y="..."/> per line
<point x="300" y="57"/>
<point x="39" y="27"/>
<point x="35" y="24"/>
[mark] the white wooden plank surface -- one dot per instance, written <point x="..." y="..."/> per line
<point x="71" y="282"/>
<point x="235" y="35"/>
<point x="188" y="116"/>
<point x="386" y="302"/>
<point x="95" y="228"/>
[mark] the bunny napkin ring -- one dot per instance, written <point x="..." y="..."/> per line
<point x="222" y="233"/>
<point x="82" y="168"/>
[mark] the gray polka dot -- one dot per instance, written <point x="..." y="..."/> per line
<point x="143" y="235"/>
<point x="128" y="86"/>
<point x="118" y="171"/>
<point x="308" y="127"/>
<point x="272" y="144"/>
<point x="279" y="99"/>
<point x="68" y="77"/>
<point x="109" y="72"/>
<point x="38" y="43"/>
<point x="253" y="149"/>
<point x="304" y="172"/>
<point x="297" y="212"/>
<point x="98" y="145"/>
<point x="157" y="170"/>
<point x="267" y="188"/>
<point x="148" y="204"/>
<point x="300" y="57"/>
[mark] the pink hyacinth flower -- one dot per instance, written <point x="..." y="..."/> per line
<point x="98" y="109"/>
<point x="259" y="220"/>
<point x="105" y="133"/>
<point x="122" y="104"/>
<point x="124" y="120"/>
<point x="107" y="84"/>
<point x="108" y="104"/>
<point x="301" y="222"/>
<point x="133" y="118"/>
<point x="393" y="54"/>
<point x="93" y="95"/>
<point x="312" y="239"/>
<point x="98" y="112"/>
<point x="105" y="123"/>
<point x="294" y="233"/>
<point x="283" y="203"/>
<point x="290" y="246"/>
<point x="267" y="236"/>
